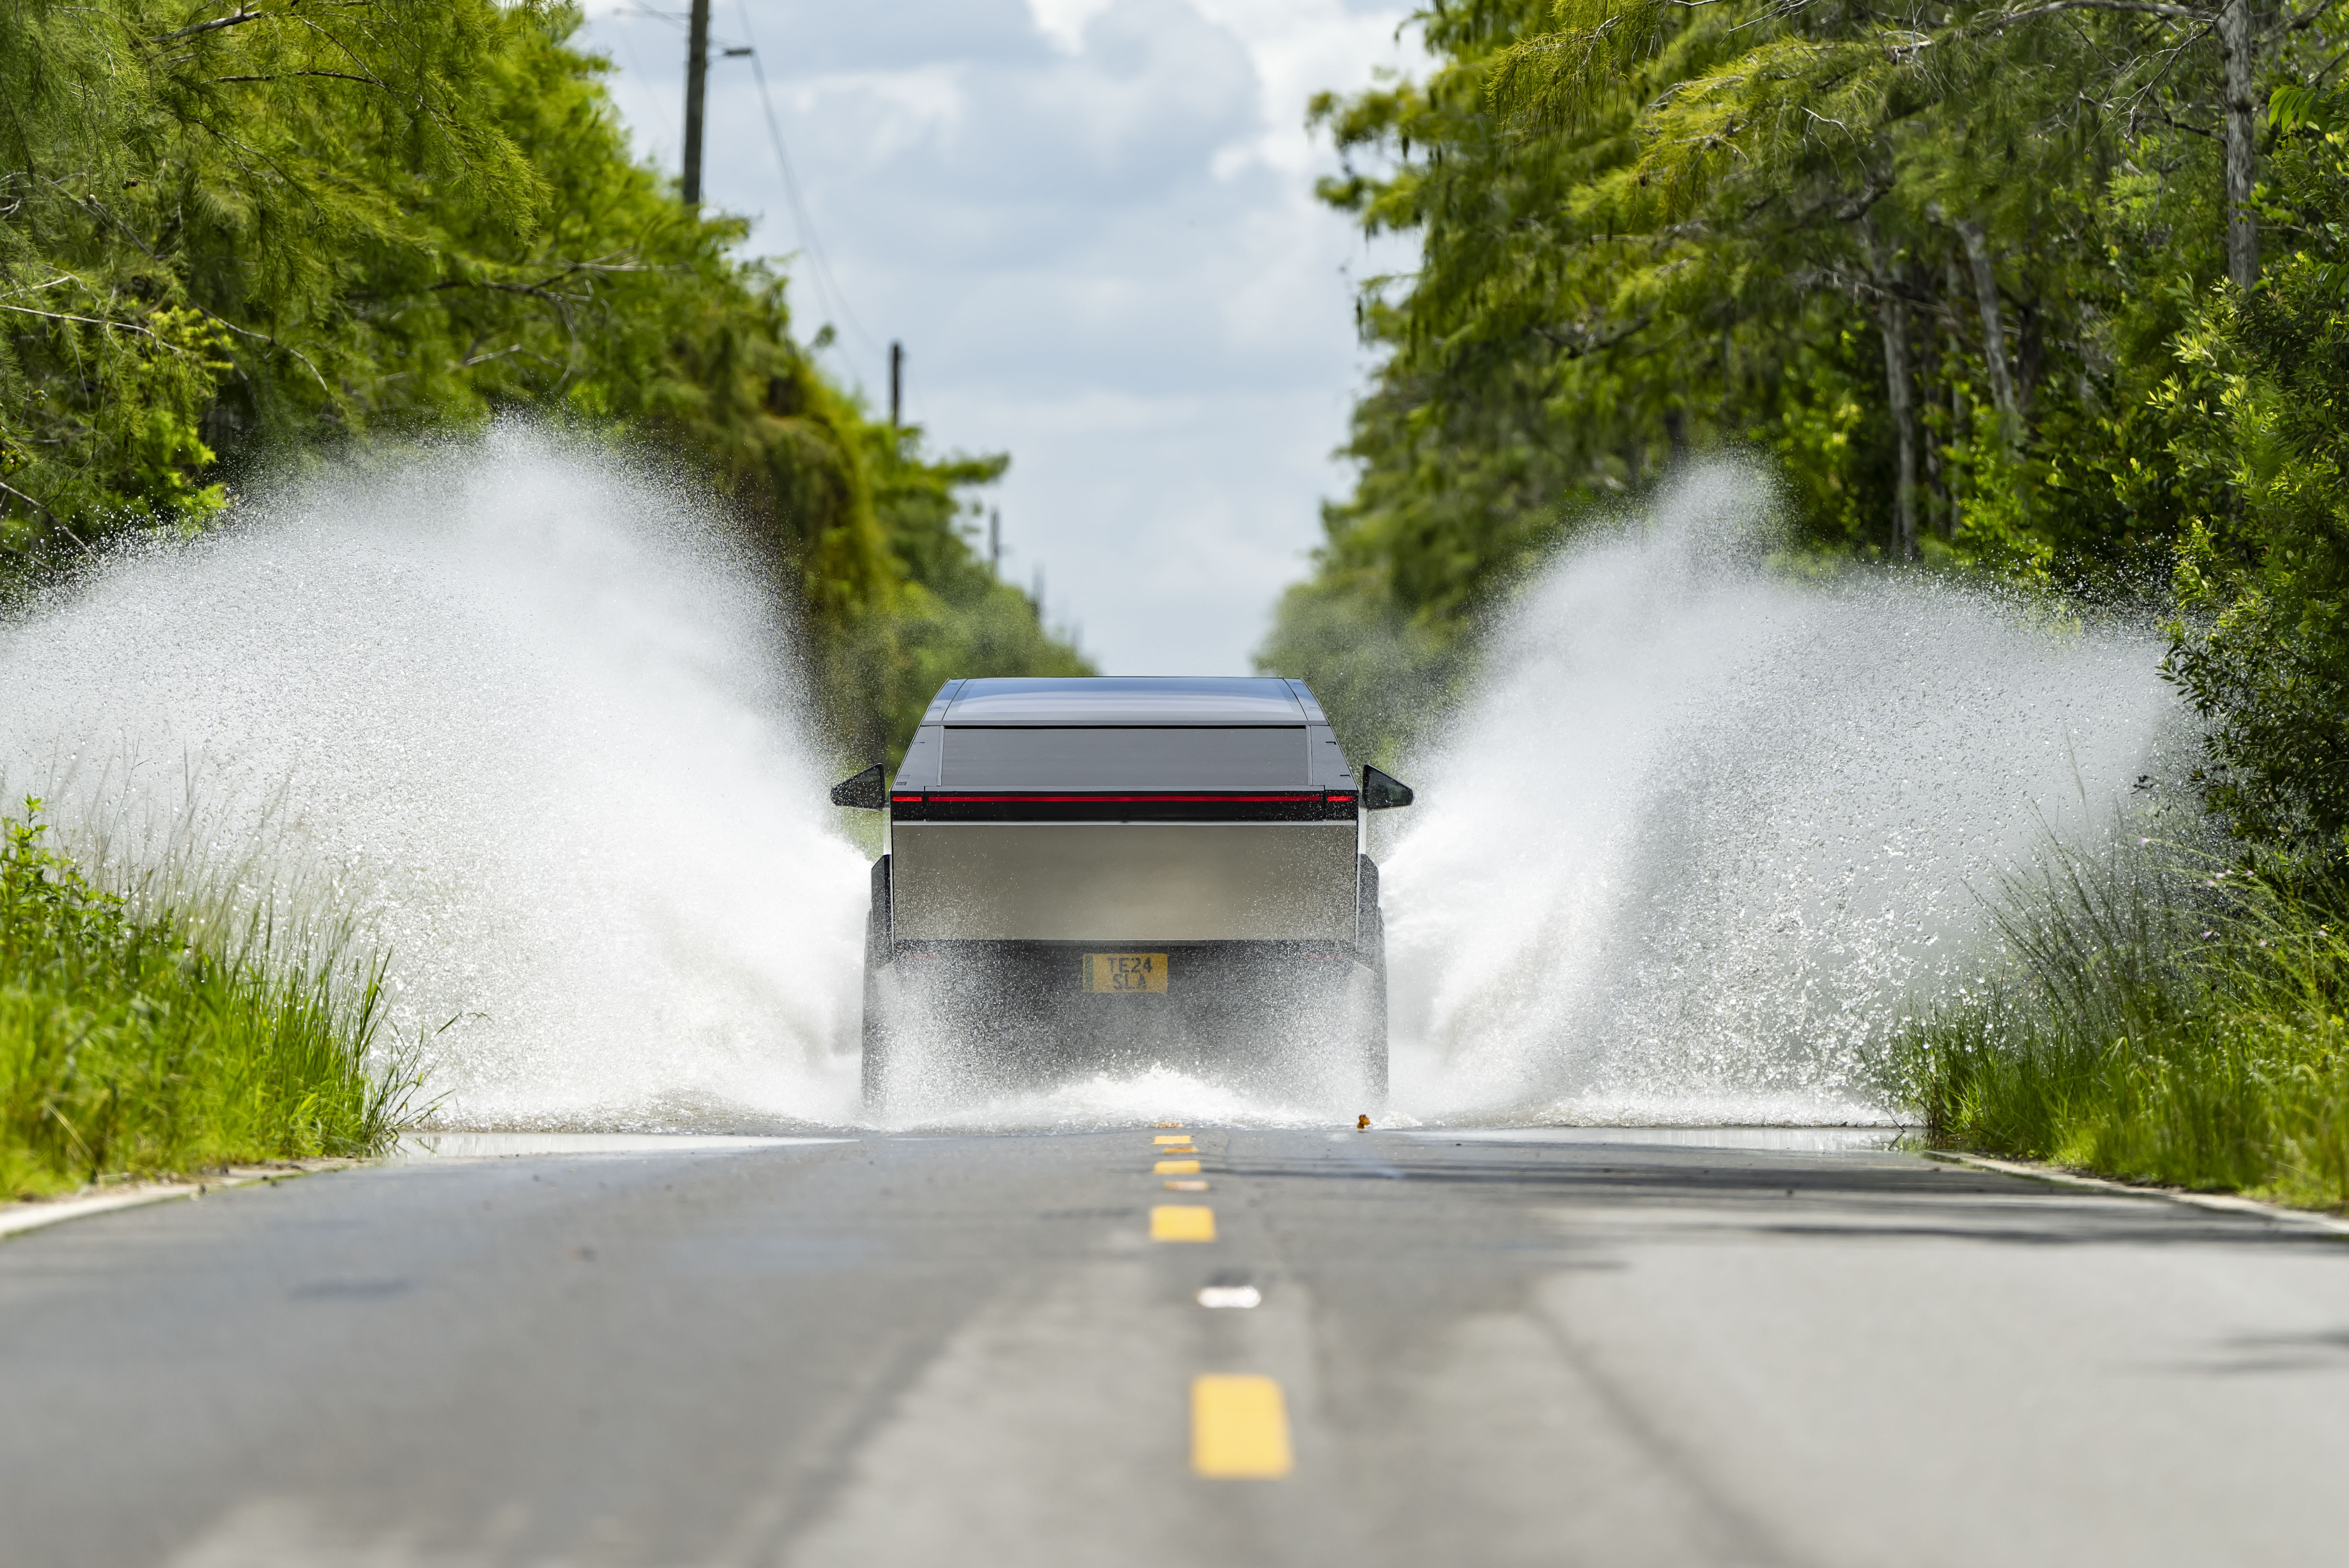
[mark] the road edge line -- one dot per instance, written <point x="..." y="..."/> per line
<point x="2222" y="1202"/>
<point x="41" y="1214"/>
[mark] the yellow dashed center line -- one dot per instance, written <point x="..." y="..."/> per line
<point x="1239" y="1428"/>
<point x="1182" y="1222"/>
<point x="1239" y="1424"/>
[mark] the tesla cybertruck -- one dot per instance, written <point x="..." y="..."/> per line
<point x="1115" y="874"/>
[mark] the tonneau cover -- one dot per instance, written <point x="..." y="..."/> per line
<point x="1155" y="700"/>
<point x="1123" y="732"/>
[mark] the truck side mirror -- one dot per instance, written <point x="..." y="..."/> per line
<point x="869" y="791"/>
<point x="1383" y="791"/>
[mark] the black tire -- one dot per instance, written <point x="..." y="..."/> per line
<point x="1371" y="935"/>
<point x="876" y="1030"/>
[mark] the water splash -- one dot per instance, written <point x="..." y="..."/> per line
<point x="1131" y="1098"/>
<point x="525" y="715"/>
<point x="1704" y="829"/>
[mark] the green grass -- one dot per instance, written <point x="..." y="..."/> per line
<point x="150" y="1041"/>
<point x="2157" y="1025"/>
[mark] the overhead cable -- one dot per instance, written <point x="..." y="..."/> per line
<point x="805" y="225"/>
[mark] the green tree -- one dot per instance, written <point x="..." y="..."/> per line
<point x="1938" y="261"/>
<point x="2256" y="414"/>
<point x="236" y="235"/>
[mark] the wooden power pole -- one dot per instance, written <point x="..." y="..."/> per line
<point x="697" y="82"/>
<point x="897" y="382"/>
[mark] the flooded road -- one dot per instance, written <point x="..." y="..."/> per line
<point x="1597" y="1345"/>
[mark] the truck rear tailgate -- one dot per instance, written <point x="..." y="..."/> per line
<point x="1122" y="881"/>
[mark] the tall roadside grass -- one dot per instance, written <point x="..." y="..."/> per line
<point x="142" y="1041"/>
<point x="2154" y="1025"/>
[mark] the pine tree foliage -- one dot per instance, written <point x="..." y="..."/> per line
<point x="2258" y="412"/>
<point x="1962" y="269"/>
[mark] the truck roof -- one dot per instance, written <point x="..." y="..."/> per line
<point x="1138" y="701"/>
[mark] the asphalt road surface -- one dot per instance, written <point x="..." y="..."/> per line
<point x="1486" y="1349"/>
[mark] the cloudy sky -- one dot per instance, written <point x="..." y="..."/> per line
<point x="1092" y="225"/>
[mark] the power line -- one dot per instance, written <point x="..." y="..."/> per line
<point x="800" y="221"/>
<point x="831" y="298"/>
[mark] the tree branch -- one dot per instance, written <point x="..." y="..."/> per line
<point x="242" y="16"/>
<point x="43" y="508"/>
<point x="214" y="315"/>
<point x="1579" y="345"/>
<point x="210" y="315"/>
<point x="281" y="76"/>
<point x="2145" y="7"/>
<point x="94" y="321"/>
<point x="39" y="506"/>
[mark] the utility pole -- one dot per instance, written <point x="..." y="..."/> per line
<point x="896" y="382"/>
<point x="995" y="540"/>
<point x="697" y="82"/>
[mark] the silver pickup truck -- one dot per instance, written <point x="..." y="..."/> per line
<point x="1115" y="874"/>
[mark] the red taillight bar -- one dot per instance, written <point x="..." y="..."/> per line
<point x="968" y="799"/>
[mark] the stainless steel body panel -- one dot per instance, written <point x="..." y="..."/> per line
<point x="1124" y="882"/>
<point x="924" y="754"/>
<point x="1326" y="759"/>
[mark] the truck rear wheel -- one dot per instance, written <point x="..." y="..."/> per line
<point x="876" y="1030"/>
<point x="1371" y="934"/>
<point x="875" y="1065"/>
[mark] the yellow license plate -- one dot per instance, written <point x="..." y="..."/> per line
<point x="1126" y="971"/>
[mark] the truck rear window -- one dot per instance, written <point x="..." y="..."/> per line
<point x="1185" y="757"/>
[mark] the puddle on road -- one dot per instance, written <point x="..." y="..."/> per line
<point x="505" y="1145"/>
<point x="1790" y="1140"/>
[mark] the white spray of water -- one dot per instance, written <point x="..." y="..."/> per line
<point x="1122" y="1099"/>
<point x="519" y="712"/>
<point x="1704" y="830"/>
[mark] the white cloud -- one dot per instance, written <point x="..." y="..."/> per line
<point x="1091" y="224"/>
<point x="1063" y="21"/>
<point x="899" y="111"/>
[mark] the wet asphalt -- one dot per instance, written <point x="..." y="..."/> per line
<point x="1490" y="1349"/>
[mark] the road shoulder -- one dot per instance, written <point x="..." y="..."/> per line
<point x="2224" y="1202"/>
<point x="39" y="1213"/>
